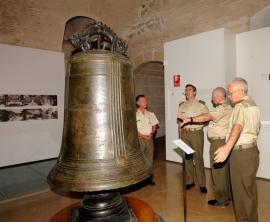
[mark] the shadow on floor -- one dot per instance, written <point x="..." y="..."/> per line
<point x="24" y="179"/>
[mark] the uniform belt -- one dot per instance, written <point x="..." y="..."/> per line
<point x="216" y="138"/>
<point x="245" y="146"/>
<point x="192" y="129"/>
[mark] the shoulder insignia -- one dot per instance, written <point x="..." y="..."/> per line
<point x="181" y="103"/>
<point x="202" y="102"/>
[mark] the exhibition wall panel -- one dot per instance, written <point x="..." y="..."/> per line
<point x="32" y="85"/>
<point x="253" y="56"/>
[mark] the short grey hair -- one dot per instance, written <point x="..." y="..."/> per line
<point x="241" y="83"/>
<point x="220" y="90"/>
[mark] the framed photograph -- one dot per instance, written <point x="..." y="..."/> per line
<point x="2" y="101"/>
<point x="8" y="115"/>
<point x="49" y="100"/>
<point x="13" y="100"/>
<point x="50" y="113"/>
<point x="30" y="114"/>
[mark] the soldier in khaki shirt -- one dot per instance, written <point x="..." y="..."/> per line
<point x="241" y="145"/>
<point x="147" y="124"/>
<point x="194" y="137"/>
<point x="217" y="129"/>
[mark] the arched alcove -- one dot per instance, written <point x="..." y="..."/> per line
<point x="149" y="80"/>
<point x="73" y="25"/>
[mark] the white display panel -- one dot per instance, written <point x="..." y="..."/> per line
<point x="253" y="56"/>
<point x="27" y="71"/>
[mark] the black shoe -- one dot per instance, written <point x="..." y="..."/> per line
<point x="203" y="189"/>
<point x="189" y="186"/>
<point x="152" y="183"/>
<point x="216" y="203"/>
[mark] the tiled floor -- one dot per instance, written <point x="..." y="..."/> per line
<point x="165" y="198"/>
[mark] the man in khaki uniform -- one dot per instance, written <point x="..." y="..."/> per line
<point x="147" y="125"/>
<point x="241" y="144"/>
<point x="217" y="129"/>
<point x="193" y="136"/>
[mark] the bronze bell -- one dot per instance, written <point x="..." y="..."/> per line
<point x="100" y="148"/>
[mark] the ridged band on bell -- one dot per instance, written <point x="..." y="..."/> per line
<point x="100" y="148"/>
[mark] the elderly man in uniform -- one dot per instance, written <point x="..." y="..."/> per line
<point x="147" y="125"/>
<point x="217" y="129"/>
<point x="241" y="145"/>
<point x="193" y="136"/>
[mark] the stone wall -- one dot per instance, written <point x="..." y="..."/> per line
<point x="144" y="24"/>
<point x="158" y="21"/>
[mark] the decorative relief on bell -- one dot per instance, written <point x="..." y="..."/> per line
<point x="98" y="36"/>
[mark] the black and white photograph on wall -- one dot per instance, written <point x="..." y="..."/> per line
<point x="13" y="100"/>
<point x="11" y="115"/>
<point x="2" y="101"/>
<point x="3" y="115"/>
<point x="50" y="113"/>
<point x="7" y="100"/>
<point x="49" y="100"/>
<point x="32" y="100"/>
<point x="32" y="114"/>
<point x="33" y="104"/>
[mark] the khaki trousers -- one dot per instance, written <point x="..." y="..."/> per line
<point x="220" y="174"/>
<point x="195" y="139"/>
<point x="243" y="169"/>
<point x="147" y="146"/>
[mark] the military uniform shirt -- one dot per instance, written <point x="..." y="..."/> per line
<point x="190" y="110"/>
<point x="218" y="127"/>
<point x="145" y="121"/>
<point x="247" y="114"/>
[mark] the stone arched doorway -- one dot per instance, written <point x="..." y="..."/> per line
<point x="149" y="81"/>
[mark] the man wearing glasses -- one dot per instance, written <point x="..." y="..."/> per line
<point x="241" y="145"/>
<point x="217" y="129"/>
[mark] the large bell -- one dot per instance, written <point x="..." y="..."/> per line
<point x="100" y="148"/>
